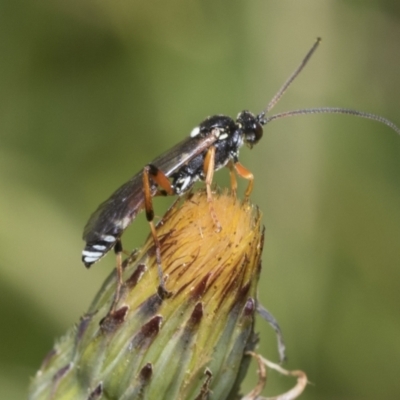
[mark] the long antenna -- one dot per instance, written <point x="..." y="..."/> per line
<point x="333" y="110"/>
<point x="321" y="110"/>
<point x="292" y="77"/>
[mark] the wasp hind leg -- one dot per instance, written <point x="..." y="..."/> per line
<point x="118" y="250"/>
<point x="151" y="171"/>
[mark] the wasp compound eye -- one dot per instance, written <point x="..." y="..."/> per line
<point x="251" y="127"/>
<point x="255" y="134"/>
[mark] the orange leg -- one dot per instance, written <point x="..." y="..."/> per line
<point x="246" y="174"/>
<point x="232" y="175"/>
<point x="150" y="171"/>
<point x="209" y="165"/>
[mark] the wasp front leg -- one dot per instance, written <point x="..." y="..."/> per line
<point x="246" y="174"/>
<point x="158" y="177"/>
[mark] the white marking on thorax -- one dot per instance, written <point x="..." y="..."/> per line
<point x="183" y="183"/>
<point x="223" y="136"/>
<point x="216" y="132"/>
<point x="195" y="131"/>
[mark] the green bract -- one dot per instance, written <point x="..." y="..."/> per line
<point x="190" y="345"/>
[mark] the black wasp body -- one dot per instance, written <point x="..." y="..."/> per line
<point x="231" y="136"/>
<point x="183" y="165"/>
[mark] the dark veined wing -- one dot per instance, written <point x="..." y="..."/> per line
<point x="114" y="215"/>
<point x="170" y="161"/>
<point x="122" y="205"/>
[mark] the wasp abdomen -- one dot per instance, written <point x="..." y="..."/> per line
<point x="94" y="251"/>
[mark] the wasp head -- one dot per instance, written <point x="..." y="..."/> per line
<point x="251" y="127"/>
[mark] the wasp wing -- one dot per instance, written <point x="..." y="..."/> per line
<point x="114" y="215"/>
<point x="108" y="219"/>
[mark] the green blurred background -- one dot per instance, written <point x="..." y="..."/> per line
<point x="90" y="91"/>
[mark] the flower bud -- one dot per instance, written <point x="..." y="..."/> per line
<point x="189" y="345"/>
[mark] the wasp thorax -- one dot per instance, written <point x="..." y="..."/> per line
<point x="251" y="127"/>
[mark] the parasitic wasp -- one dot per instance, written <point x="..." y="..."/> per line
<point x="213" y="144"/>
